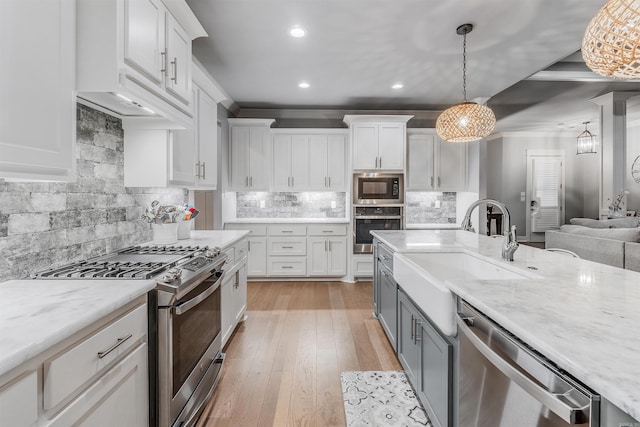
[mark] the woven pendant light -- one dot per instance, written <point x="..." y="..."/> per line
<point x="611" y="43"/>
<point x="467" y="121"/>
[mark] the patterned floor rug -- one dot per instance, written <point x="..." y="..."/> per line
<point x="381" y="398"/>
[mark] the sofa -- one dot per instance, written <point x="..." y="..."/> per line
<point x="614" y="242"/>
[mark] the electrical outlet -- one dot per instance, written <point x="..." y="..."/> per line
<point x="262" y="204"/>
<point x="523" y="196"/>
<point x="333" y="204"/>
<point x="437" y="204"/>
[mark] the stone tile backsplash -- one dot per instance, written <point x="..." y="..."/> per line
<point x="44" y="224"/>
<point x="420" y="208"/>
<point x="314" y="204"/>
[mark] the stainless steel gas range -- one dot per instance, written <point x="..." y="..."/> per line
<point x="185" y="342"/>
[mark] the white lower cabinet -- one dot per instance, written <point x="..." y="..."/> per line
<point x="234" y="289"/>
<point x="118" y="398"/>
<point x="295" y="250"/>
<point x="96" y="378"/>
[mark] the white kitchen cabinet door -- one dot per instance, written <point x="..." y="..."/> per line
<point x="365" y="146"/>
<point x="318" y="160"/>
<point x="144" y="37"/>
<point x="178" y="59"/>
<point x="19" y="401"/>
<point x="207" y="124"/>
<point x="37" y="90"/>
<point x="337" y="256"/>
<point x="281" y="171"/>
<point x="257" y="256"/>
<point x="248" y="158"/>
<point x="434" y="164"/>
<point x="336" y="163"/>
<point x="300" y="162"/>
<point x="183" y="154"/>
<point x="391" y="141"/>
<point x="240" y="293"/>
<point x="317" y="258"/>
<point x="452" y="166"/>
<point x="227" y="306"/>
<point x="326" y="256"/>
<point x="420" y="158"/>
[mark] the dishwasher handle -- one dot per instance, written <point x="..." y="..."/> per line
<point x="570" y="414"/>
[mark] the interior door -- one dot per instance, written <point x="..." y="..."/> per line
<point x="545" y="193"/>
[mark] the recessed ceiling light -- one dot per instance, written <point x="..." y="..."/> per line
<point x="397" y="86"/>
<point x="297" y="32"/>
<point x="303" y="85"/>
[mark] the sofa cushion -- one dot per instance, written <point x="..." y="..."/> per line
<point x="628" y="222"/>
<point x="624" y="234"/>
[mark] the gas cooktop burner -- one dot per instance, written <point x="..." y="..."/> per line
<point x="137" y="262"/>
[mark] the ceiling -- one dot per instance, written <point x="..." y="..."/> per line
<point x="355" y="50"/>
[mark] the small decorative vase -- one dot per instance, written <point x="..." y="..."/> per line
<point x="165" y="234"/>
<point x="184" y="229"/>
<point x="616" y="213"/>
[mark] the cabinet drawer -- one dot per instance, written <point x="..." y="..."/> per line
<point x="253" y="229"/>
<point x="231" y="254"/>
<point x="241" y="249"/>
<point x="19" y="401"/>
<point x="363" y="265"/>
<point x="385" y="256"/>
<point x="287" y="246"/>
<point x="287" y="266"/>
<point x="327" y="230"/>
<point x="287" y="230"/>
<point x="69" y="370"/>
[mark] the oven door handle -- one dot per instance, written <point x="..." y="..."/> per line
<point x="188" y="305"/>
<point x="378" y="217"/>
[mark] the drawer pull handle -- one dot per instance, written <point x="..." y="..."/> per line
<point x="287" y="266"/>
<point x="287" y="247"/>
<point x="287" y="231"/>
<point x="118" y="343"/>
<point x="327" y="231"/>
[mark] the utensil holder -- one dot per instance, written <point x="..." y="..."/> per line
<point x="165" y="234"/>
<point x="184" y="229"/>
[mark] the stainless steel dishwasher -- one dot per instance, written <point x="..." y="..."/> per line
<point x="503" y="383"/>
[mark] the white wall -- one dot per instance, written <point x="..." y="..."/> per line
<point x="507" y="173"/>
<point x="633" y="151"/>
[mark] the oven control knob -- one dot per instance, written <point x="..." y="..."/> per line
<point x="212" y="252"/>
<point x="172" y="274"/>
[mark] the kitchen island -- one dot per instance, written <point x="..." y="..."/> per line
<point x="581" y="315"/>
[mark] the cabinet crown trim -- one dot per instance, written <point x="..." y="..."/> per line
<point x="354" y="118"/>
<point x="251" y="122"/>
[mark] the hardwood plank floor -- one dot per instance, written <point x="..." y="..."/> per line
<point x="283" y="364"/>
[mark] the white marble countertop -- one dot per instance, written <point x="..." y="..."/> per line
<point x="37" y="314"/>
<point x="220" y="238"/>
<point x="582" y="315"/>
<point x="288" y="221"/>
<point x="432" y="226"/>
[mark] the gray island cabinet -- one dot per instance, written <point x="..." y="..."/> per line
<point x="425" y="353"/>
<point x="578" y="316"/>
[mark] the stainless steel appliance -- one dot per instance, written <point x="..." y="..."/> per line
<point x="378" y="188"/>
<point x="185" y="342"/>
<point x="370" y="218"/>
<point x="503" y="382"/>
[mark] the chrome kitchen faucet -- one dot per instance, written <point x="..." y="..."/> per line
<point x="510" y="239"/>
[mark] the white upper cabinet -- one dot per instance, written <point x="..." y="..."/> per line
<point x="434" y="164"/>
<point x="134" y="58"/>
<point x="309" y="161"/>
<point x="378" y="141"/>
<point x="186" y="158"/>
<point x="327" y="165"/>
<point x="249" y="154"/>
<point x="37" y="90"/>
<point x="290" y="162"/>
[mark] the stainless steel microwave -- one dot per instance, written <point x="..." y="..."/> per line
<point x="378" y="189"/>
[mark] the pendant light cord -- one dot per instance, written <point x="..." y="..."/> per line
<point x="464" y="67"/>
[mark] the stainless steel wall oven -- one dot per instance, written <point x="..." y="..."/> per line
<point x="370" y="218"/>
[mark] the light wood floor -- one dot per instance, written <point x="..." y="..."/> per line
<point x="283" y="364"/>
